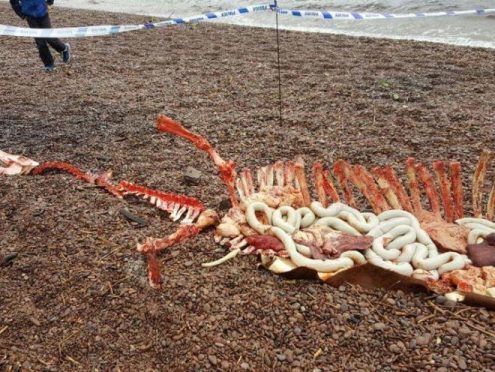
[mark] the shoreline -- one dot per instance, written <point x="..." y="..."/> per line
<point x="353" y="34"/>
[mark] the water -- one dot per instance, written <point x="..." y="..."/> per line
<point x="476" y="31"/>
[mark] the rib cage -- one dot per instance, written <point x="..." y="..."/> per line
<point x="382" y="188"/>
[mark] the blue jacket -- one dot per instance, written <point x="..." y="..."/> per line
<point x="31" y="8"/>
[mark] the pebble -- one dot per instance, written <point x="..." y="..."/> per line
<point x="281" y="357"/>
<point x="244" y="365"/>
<point x="440" y="300"/>
<point x="192" y="176"/>
<point x="465" y="331"/>
<point x="379" y="326"/>
<point x="225" y="364"/>
<point x="454" y="340"/>
<point x="462" y="363"/>
<point x="391" y="301"/>
<point x="423" y="340"/>
<point x="213" y="359"/>
<point x="297" y="331"/>
<point x="395" y="349"/>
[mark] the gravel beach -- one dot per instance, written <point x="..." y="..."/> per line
<point x="76" y="297"/>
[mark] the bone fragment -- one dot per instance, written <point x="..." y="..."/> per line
<point x="320" y="190"/>
<point x="301" y="179"/>
<point x="341" y="170"/>
<point x="478" y="179"/>
<point x="429" y="184"/>
<point x="443" y="181"/>
<point x="457" y="192"/>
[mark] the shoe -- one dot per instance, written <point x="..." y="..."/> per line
<point x="66" y="56"/>
<point x="50" y="68"/>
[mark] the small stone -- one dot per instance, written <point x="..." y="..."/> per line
<point x="440" y="300"/>
<point x="454" y="341"/>
<point x="224" y="204"/>
<point x="192" y="176"/>
<point x="281" y="357"/>
<point x="189" y="263"/>
<point x="442" y="369"/>
<point x="35" y="321"/>
<point x="225" y="365"/>
<point x="423" y="340"/>
<point x="213" y="359"/>
<point x="391" y="301"/>
<point x="462" y="363"/>
<point x="344" y="307"/>
<point x="379" y="326"/>
<point x="465" y="331"/>
<point x="395" y="349"/>
<point x="290" y="356"/>
<point x="297" y="331"/>
<point x="342" y="288"/>
<point x="365" y="311"/>
<point x="244" y="365"/>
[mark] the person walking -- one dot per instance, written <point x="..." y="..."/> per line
<point x="36" y="14"/>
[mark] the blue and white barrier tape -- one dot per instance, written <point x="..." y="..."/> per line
<point x="72" y="32"/>
<point x="336" y="15"/>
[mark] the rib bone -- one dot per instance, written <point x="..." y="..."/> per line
<point x="365" y="182"/>
<point x="478" y="178"/>
<point x="301" y="179"/>
<point x="430" y="189"/>
<point x="443" y="181"/>
<point x="413" y="185"/>
<point x="457" y="192"/>
<point x="320" y="190"/>
<point x="490" y="209"/>
<point x="341" y="170"/>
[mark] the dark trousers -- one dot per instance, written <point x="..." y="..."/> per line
<point x="42" y="43"/>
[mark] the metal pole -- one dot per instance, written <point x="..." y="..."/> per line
<point x="278" y="65"/>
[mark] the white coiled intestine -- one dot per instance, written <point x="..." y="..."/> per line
<point x="480" y="228"/>
<point x="399" y="245"/>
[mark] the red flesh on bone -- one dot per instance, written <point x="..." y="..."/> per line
<point x="226" y="168"/>
<point x="301" y="178"/>
<point x="429" y="185"/>
<point x="457" y="192"/>
<point x="490" y="209"/>
<point x="183" y="200"/>
<point x="66" y="167"/>
<point x="318" y="178"/>
<point x="366" y="184"/>
<point x="389" y="175"/>
<point x="265" y="242"/>
<point x="341" y="170"/>
<point x="478" y="178"/>
<point x="439" y="168"/>
<point x="329" y="187"/>
<point x="154" y="276"/>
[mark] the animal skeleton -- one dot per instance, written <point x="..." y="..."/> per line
<point x="277" y="217"/>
